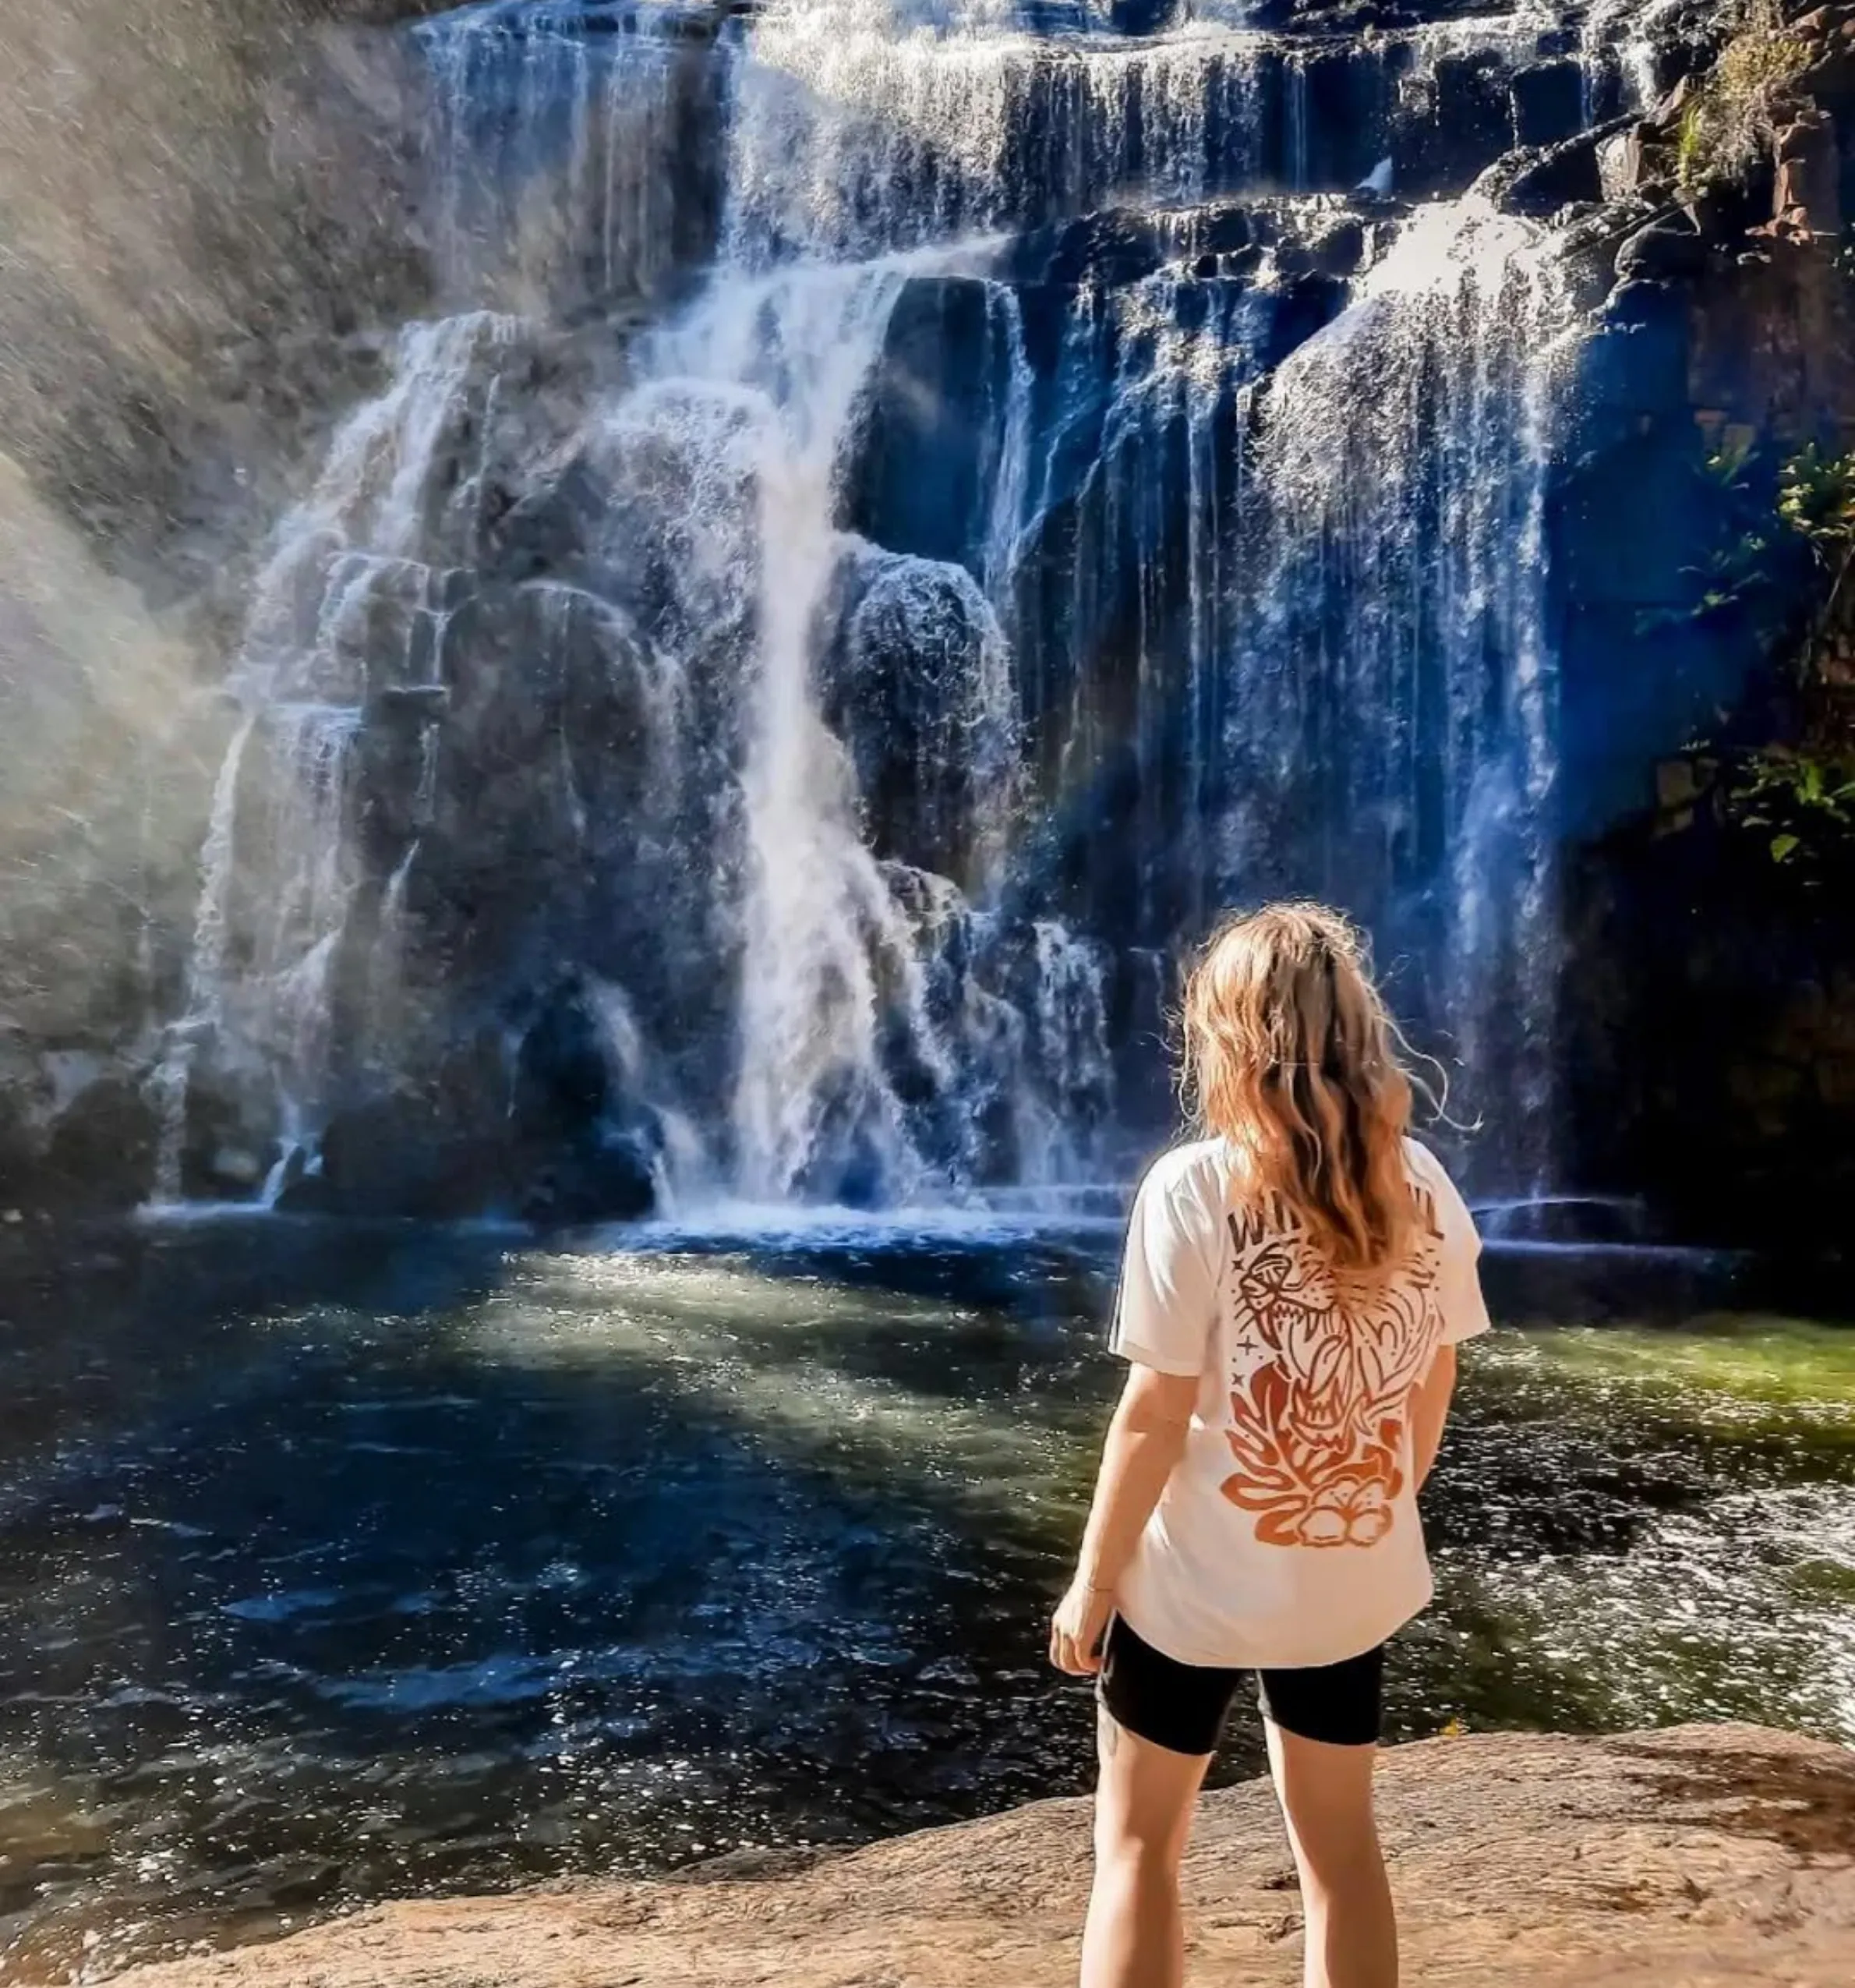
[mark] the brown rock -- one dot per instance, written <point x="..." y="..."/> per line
<point x="1664" y="120"/>
<point x="1830" y="33"/>
<point x="1623" y="163"/>
<point x="1808" y="193"/>
<point x="1706" y="1857"/>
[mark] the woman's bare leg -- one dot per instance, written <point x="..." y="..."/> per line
<point x="1135" y="1936"/>
<point x="1326" y="1796"/>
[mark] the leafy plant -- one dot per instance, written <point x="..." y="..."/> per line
<point x="1816" y="498"/>
<point x="1734" y="113"/>
<point x="1806" y="802"/>
<point x="1799" y="798"/>
<point x="1736" y="569"/>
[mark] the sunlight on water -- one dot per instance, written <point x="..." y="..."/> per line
<point x="1742" y="1611"/>
<point x="477" y="1558"/>
<point x="1776" y="1375"/>
<point x="765" y="1348"/>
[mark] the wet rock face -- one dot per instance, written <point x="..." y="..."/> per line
<point x="1707" y="1012"/>
<point x="77" y="1130"/>
<point x="1550" y="101"/>
<point x="1724" y="1028"/>
<point x="1808" y="195"/>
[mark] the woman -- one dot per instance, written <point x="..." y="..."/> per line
<point x="1295" y="1286"/>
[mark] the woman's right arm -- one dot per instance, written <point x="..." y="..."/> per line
<point x="1146" y="1439"/>
<point x="1164" y="1317"/>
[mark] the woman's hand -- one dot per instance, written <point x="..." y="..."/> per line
<point x="1145" y="1439"/>
<point x="1077" y="1628"/>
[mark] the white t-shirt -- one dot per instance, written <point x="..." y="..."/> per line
<point x="1287" y="1535"/>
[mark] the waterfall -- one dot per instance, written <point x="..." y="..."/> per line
<point x="1011" y="472"/>
<point x="863" y="125"/>
<point x="810" y="1007"/>
<point x="206" y="971"/>
<point x="1624" y="32"/>
<point x="944" y="522"/>
<point x="560" y="158"/>
<point x="1072" y="1051"/>
<point x="834" y="1010"/>
<point x="1395" y="683"/>
<point x="278" y="870"/>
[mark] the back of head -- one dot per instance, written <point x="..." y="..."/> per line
<point x="1290" y="1055"/>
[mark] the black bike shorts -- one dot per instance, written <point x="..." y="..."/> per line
<point x="1182" y="1706"/>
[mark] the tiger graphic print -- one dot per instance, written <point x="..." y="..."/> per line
<point x="1323" y="1364"/>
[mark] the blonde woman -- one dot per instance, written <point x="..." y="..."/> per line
<point x="1296" y="1284"/>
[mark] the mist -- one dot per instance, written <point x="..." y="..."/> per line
<point x="203" y="210"/>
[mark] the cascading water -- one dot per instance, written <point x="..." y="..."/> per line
<point x="1625" y="33"/>
<point x="207" y="967"/>
<point x="279" y="872"/>
<point x="552" y="152"/>
<point x="817" y="919"/>
<point x="1394" y="690"/>
<point x="776" y="749"/>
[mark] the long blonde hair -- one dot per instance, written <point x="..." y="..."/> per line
<point x="1290" y="1055"/>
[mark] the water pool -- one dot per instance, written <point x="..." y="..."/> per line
<point x="335" y="1564"/>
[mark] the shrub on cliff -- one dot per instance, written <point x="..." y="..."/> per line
<point x="1732" y="116"/>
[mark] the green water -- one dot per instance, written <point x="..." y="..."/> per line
<point x="1703" y="1479"/>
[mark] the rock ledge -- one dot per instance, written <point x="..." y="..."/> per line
<point x="1696" y="1858"/>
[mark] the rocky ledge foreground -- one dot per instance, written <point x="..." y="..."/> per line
<point x="1691" y="1859"/>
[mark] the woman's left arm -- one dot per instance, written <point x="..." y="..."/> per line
<point x="1146" y="1440"/>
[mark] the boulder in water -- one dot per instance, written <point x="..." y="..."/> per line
<point x="583" y="1147"/>
<point x="433" y="1145"/>
<point x="921" y="696"/>
<point x="609" y="1177"/>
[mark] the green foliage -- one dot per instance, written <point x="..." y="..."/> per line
<point x="1816" y="498"/>
<point x="1734" y="113"/>
<point x="1737" y="569"/>
<point x="1803" y="802"/>
<point x="1799" y="800"/>
<point x="1810" y="493"/>
<point x="1694" y="165"/>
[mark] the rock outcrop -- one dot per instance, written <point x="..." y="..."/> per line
<point x="1705" y="995"/>
<point x="1706" y="1857"/>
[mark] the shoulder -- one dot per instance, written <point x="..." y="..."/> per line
<point x="1431" y="1177"/>
<point x="1427" y="1171"/>
<point x="1426" y="1168"/>
<point x="1186" y="1190"/>
<point x="1196" y="1174"/>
